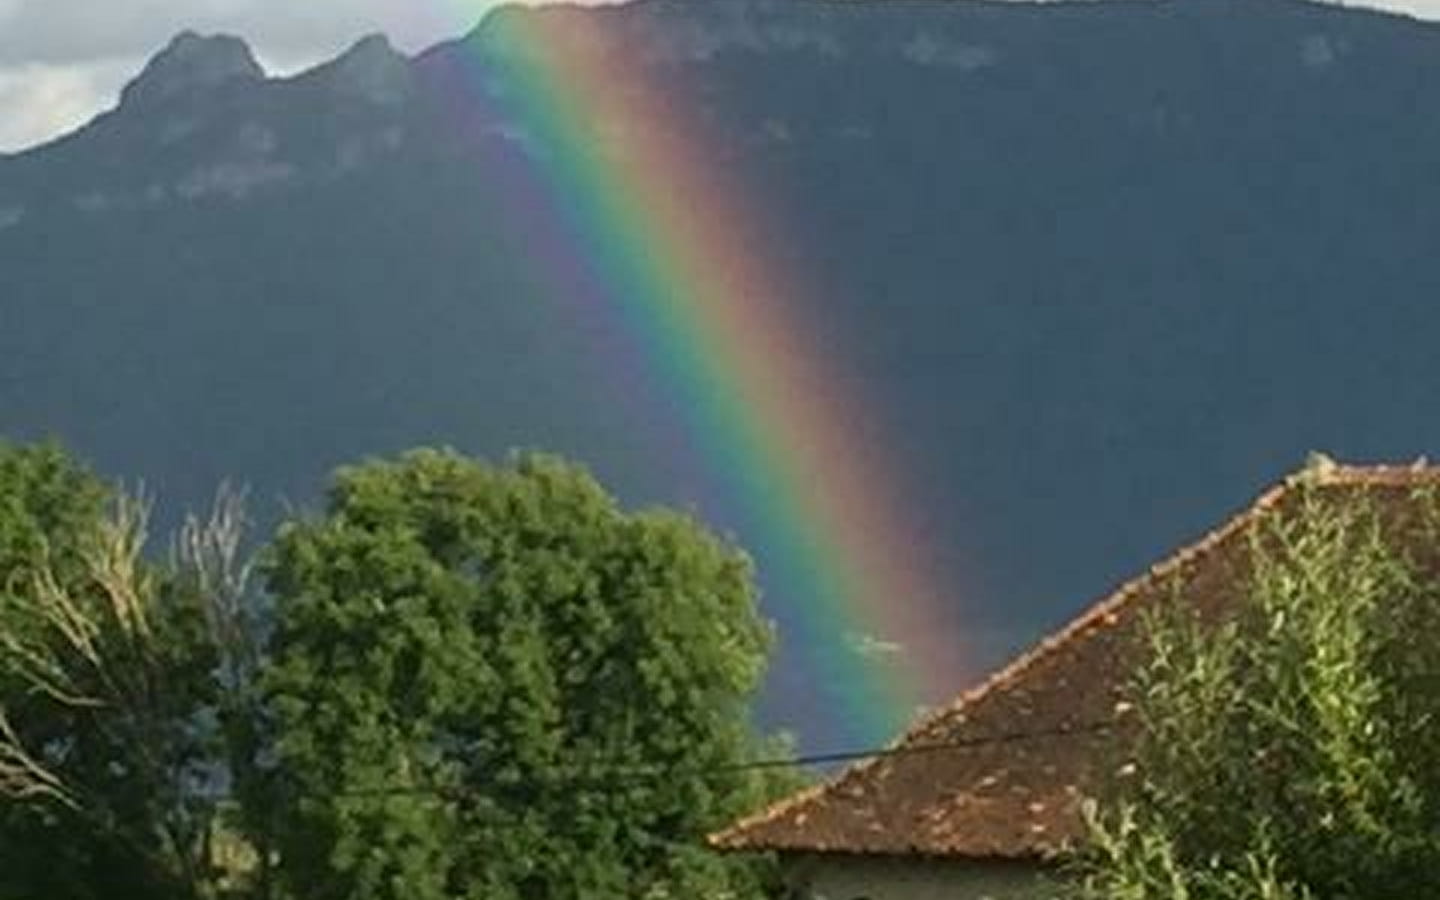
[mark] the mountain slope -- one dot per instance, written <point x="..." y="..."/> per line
<point x="1108" y="266"/>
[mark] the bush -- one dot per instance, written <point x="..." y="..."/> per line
<point x="1290" y="750"/>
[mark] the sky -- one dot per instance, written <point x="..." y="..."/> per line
<point x="62" y="61"/>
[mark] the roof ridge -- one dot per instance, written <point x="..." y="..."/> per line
<point x="1319" y="470"/>
<point x="1073" y="630"/>
<point x="1331" y="473"/>
<point x="1324" y="472"/>
<point x="1108" y="604"/>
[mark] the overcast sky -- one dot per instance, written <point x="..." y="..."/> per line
<point x="61" y="61"/>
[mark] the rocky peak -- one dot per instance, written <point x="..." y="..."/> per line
<point x="193" y="62"/>
<point x="372" y="69"/>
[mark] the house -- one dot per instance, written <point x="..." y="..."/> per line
<point x="981" y="798"/>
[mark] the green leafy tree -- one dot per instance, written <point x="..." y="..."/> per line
<point x="112" y="701"/>
<point x="1292" y="750"/>
<point x="49" y="506"/>
<point x="494" y="682"/>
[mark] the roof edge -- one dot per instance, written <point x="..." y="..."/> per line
<point x="1319" y="470"/>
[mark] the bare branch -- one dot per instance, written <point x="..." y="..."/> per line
<point x="22" y="776"/>
<point x="114" y="562"/>
<point x="210" y="551"/>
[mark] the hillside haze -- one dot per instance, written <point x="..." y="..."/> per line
<point x="1106" y="267"/>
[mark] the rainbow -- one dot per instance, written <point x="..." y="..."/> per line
<point x="684" y="257"/>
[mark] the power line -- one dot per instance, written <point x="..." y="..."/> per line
<point x="932" y="747"/>
<point x="602" y="772"/>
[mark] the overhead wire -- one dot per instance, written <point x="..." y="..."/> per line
<point x="600" y="772"/>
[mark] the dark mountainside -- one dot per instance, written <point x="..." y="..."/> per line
<point x="1110" y="266"/>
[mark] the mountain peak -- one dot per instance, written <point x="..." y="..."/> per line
<point x="193" y="62"/>
<point x="372" y="45"/>
<point x="372" y="69"/>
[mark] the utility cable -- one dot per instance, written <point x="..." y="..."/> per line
<point x="601" y="772"/>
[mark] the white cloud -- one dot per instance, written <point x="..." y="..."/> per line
<point x="872" y="647"/>
<point x="61" y="31"/>
<point x="56" y="31"/>
<point x="64" y="61"/>
<point x="42" y="101"/>
<point x="1425" y="9"/>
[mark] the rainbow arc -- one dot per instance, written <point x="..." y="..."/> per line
<point x="683" y="251"/>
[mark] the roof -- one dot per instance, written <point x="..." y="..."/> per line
<point x="1001" y="771"/>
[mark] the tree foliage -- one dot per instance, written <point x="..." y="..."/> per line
<point x="1293" y="750"/>
<point x="463" y="680"/>
<point x="494" y="682"/>
<point x="112" y="745"/>
<point x="49" y="505"/>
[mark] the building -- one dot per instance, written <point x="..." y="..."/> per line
<point x="982" y="798"/>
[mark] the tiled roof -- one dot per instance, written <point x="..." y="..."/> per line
<point x="1001" y="771"/>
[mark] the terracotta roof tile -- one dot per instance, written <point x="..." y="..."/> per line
<point x="1001" y="771"/>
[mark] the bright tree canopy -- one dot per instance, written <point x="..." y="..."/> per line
<point x="493" y="681"/>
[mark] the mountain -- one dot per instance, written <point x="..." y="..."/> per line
<point x="1107" y="267"/>
<point x="192" y="66"/>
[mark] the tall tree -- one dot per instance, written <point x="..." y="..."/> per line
<point x="113" y="708"/>
<point x="492" y="681"/>
<point x="51" y="508"/>
<point x="1292" y="750"/>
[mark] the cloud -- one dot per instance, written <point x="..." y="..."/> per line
<point x="872" y="647"/>
<point x="64" y="61"/>
<point x="57" y="57"/>
<point x="1425" y="9"/>
<point x="68" y="31"/>
<point x="42" y="101"/>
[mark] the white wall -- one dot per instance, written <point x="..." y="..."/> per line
<point x="839" y="877"/>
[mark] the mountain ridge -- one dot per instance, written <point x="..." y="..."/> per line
<point x="732" y="24"/>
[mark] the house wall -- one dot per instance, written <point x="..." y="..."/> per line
<point x="905" y="878"/>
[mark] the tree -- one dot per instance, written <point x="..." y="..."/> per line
<point x="491" y="681"/>
<point x="114" y="708"/>
<point x="49" y="506"/>
<point x="50" y="511"/>
<point x="1293" y="749"/>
